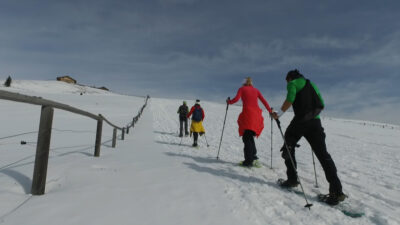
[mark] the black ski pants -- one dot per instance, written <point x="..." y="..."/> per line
<point x="195" y="137"/>
<point x="313" y="132"/>
<point x="183" y="122"/>
<point x="250" y="151"/>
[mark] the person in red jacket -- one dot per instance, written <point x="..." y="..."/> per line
<point x="251" y="121"/>
<point x="196" y="126"/>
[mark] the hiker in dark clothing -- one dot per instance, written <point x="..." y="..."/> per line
<point x="183" y="111"/>
<point x="307" y="103"/>
<point x="196" y="127"/>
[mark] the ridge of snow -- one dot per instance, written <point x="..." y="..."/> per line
<point x="51" y="87"/>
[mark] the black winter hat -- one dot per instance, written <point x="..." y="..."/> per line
<point x="293" y="74"/>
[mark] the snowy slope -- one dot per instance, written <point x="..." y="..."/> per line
<point x="149" y="178"/>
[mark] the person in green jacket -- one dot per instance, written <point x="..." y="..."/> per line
<point x="307" y="103"/>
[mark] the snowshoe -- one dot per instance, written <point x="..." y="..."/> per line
<point x="256" y="164"/>
<point x="243" y="164"/>
<point x="349" y="207"/>
<point x="332" y="198"/>
<point x="287" y="183"/>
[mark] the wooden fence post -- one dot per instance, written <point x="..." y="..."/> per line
<point x="114" y="139"/>
<point x="127" y="129"/>
<point x="123" y="134"/>
<point x="99" y="131"/>
<point x="42" y="151"/>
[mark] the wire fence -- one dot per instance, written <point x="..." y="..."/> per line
<point x="45" y="130"/>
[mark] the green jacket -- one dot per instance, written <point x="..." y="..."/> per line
<point x="294" y="86"/>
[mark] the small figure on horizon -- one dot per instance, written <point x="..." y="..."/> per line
<point x="251" y="121"/>
<point x="196" y="126"/>
<point x="8" y="82"/>
<point x="183" y="110"/>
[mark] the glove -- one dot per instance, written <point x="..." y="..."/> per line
<point x="271" y="113"/>
<point x="227" y="100"/>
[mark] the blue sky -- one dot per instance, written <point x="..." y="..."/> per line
<point x="189" y="49"/>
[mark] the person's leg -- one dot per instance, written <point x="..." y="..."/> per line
<point x="195" y="137"/>
<point x="186" y="127"/>
<point x="180" y="127"/>
<point x="316" y="137"/>
<point x="253" y="145"/>
<point x="248" y="150"/>
<point x="292" y="135"/>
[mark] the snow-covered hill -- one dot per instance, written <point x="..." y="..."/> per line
<point x="51" y="87"/>
<point x="150" y="178"/>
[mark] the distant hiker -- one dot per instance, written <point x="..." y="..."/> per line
<point x="7" y="83"/>
<point x="251" y="121"/>
<point x="307" y="103"/>
<point x="183" y="111"/>
<point x="196" y="127"/>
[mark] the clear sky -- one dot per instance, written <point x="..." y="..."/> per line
<point x="203" y="49"/>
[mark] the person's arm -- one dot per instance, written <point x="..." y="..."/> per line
<point x="290" y="97"/>
<point x="187" y="110"/>
<point x="190" y="113"/>
<point x="286" y="105"/>
<point x="202" y="114"/>
<point x="236" y="98"/>
<point x="265" y="103"/>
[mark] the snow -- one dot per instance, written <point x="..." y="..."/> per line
<point x="149" y="178"/>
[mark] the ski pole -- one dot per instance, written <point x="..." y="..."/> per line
<point x="271" y="139"/>
<point x="181" y="140"/>
<point x="223" y="127"/>
<point x="206" y="140"/>
<point x="27" y="142"/>
<point x="308" y="205"/>
<point x="185" y="134"/>
<point x="315" y="172"/>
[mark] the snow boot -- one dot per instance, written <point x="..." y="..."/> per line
<point x="245" y="164"/>
<point x="288" y="183"/>
<point x="334" y="198"/>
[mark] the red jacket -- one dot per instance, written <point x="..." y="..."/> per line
<point x="192" y="109"/>
<point x="251" y="117"/>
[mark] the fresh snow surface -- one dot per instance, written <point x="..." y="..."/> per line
<point x="150" y="178"/>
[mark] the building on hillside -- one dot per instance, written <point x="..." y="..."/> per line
<point x="104" y="88"/>
<point x="67" y="79"/>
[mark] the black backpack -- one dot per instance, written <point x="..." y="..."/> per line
<point x="183" y="111"/>
<point x="197" y="114"/>
<point x="307" y="104"/>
